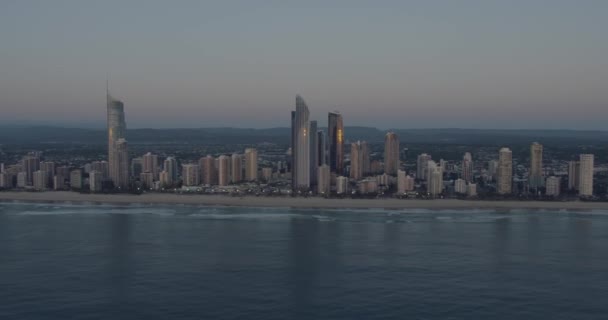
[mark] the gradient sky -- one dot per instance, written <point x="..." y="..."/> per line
<point x="389" y="64"/>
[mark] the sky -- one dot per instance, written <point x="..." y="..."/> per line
<point x="389" y="64"/>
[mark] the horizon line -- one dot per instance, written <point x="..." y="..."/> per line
<point x="103" y="127"/>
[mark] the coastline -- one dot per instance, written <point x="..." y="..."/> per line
<point x="287" y="202"/>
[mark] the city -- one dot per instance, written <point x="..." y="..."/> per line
<point x="303" y="160"/>
<point x="318" y="162"/>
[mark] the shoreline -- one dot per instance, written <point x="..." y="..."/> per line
<point x="288" y="202"/>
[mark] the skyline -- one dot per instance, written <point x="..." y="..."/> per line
<point x="524" y="64"/>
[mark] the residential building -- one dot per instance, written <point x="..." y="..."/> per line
<point x="391" y="153"/>
<point x="504" y="183"/>
<point x="553" y="186"/>
<point x="335" y="140"/>
<point x="586" y="175"/>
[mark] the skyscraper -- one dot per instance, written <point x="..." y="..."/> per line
<point x="359" y="160"/>
<point x="95" y="178"/>
<point x="585" y="185"/>
<point x="137" y="166"/>
<point x="323" y="187"/>
<point x="535" y="177"/>
<point x="355" y="161"/>
<point x="291" y="151"/>
<point x="335" y="135"/>
<point x="467" y="167"/>
<point x="29" y="165"/>
<point x="574" y="168"/>
<point x="236" y="168"/>
<point x="321" y="148"/>
<point x="116" y="131"/>
<point x="434" y="178"/>
<point x="223" y="176"/>
<point x="422" y="165"/>
<point x="150" y="165"/>
<point x="209" y="171"/>
<point x="170" y="166"/>
<point x="147" y="180"/>
<point x="301" y="145"/>
<point x="341" y="185"/>
<point x="103" y="167"/>
<point x="190" y="175"/>
<point x="39" y="180"/>
<point x="314" y="149"/>
<point x="76" y="179"/>
<point x="493" y="169"/>
<point x="165" y="179"/>
<point x="121" y="163"/>
<point x="365" y="159"/>
<point x="49" y="168"/>
<point x="553" y="186"/>
<point x="460" y="186"/>
<point x="391" y="153"/>
<point x="4" y="180"/>
<point x="504" y="183"/>
<point x="251" y="164"/>
<point x="401" y="182"/>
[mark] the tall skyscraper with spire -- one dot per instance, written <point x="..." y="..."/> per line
<point x="335" y="137"/>
<point x="301" y="145"/>
<point x="116" y="131"/>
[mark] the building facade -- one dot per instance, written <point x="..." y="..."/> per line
<point x="391" y="153"/>
<point x="190" y="175"/>
<point x="535" y="177"/>
<point x="504" y="178"/>
<point x="574" y="168"/>
<point x="116" y="131"/>
<point x="121" y="163"/>
<point x="324" y="180"/>
<point x="223" y="170"/>
<point x="301" y="146"/>
<point x="466" y="170"/>
<point x="251" y="164"/>
<point x="553" y="186"/>
<point x="335" y="139"/>
<point x="422" y="165"/>
<point x="434" y="178"/>
<point x="585" y="184"/>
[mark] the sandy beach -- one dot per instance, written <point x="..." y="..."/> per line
<point x="222" y="200"/>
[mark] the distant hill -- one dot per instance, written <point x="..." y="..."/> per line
<point x="39" y="134"/>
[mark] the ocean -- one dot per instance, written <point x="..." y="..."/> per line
<point x="90" y="261"/>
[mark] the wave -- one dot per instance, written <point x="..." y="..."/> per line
<point x="243" y="216"/>
<point x="129" y="211"/>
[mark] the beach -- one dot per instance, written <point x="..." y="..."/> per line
<point x="298" y="202"/>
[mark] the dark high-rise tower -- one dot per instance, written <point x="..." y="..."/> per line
<point x="314" y="149"/>
<point x="322" y="148"/>
<point x="335" y="137"/>
<point x="391" y="153"/>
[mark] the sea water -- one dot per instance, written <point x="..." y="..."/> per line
<point x="87" y="261"/>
